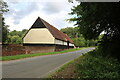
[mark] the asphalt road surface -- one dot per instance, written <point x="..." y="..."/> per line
<point x="38" y="67"/>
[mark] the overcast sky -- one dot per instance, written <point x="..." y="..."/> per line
<point x="23" y="13"/>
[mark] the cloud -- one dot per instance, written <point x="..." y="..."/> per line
<point x="21" y="10"/>
<point x="23" y="14"/>
<point x="52" y="7"/>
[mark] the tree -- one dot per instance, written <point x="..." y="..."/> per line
<point x="94" y="18"/>
<point x="24" y="31"/>
<point x="71" y="32"/>
<point x="3" y="28"/>
<point x="15" y="40"/>
<point x="77" y="38"/>
<point x="15" y="37"/>
<point x="5" y="31"/>
<point x="3" y="7"/>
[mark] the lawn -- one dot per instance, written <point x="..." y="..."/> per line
<point x="6" y="58"/>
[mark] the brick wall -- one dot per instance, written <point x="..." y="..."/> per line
<point x="8" y="50"/>
<point x="39" y="49"/>
<point x="62" y="47"/>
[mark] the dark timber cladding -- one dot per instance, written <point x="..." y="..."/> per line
<point x="38" y="24"/>
<point x="33" y="44"/>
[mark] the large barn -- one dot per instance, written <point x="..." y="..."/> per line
<point x="43" y="37"/>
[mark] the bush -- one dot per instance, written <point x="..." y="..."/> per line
<point x="96" y="66"/>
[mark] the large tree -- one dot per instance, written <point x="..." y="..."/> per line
<point x="94" y="18"/>
<point x="3" y="28"/>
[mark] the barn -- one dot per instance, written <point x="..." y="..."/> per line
<point x="43" y="37"/>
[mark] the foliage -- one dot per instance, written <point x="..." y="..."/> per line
<point x="71" y="32"/>
<point x="91" y="25"/>
<point x="81" y="42"/>
<point x="15" y="37"/>
<point x="5" y="30"/>
<point x="92" y="66"/>
<point x="94" y="18"/>
<point x="77" y="38"/>
<point x="4" y="7"/>
<point x="95" y="66"/>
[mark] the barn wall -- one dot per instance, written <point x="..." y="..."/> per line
<point x="71" y="44"/>
<point x="60" y="42"/>
<point x="39" y="35"/>
<point x="65" y="43"/>
<point x="39" y="49"/>
<point x="60" y="47"/>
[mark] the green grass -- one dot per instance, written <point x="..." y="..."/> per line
<point x="93" y="66"/>
<point x="6" y="58"/>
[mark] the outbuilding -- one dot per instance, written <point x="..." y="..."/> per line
<point x="43" y="37"/>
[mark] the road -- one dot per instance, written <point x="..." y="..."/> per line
<point x="38" y="67"/>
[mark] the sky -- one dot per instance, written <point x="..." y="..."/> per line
<point x="23" y="13"/>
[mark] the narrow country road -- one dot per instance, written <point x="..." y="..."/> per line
<point x="38" y="67"/>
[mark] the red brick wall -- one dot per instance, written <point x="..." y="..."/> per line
<point x="8" y="50"/>
<point x="62" y="47"/>
<point x="39" y="49"/>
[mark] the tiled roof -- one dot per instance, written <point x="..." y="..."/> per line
<point x="40" y="23"/>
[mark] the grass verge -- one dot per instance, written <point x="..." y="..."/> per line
<point x="6" y="58"/>
<point x="90" y="66"/>
<point x="66" y="71"/>
<point x="63" y="71"/>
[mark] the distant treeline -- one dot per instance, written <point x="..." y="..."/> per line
<point x="78" y="39"/>
<point x="15" y="37"/>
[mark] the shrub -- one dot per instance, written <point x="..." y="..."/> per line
<point x="96" y="66"/>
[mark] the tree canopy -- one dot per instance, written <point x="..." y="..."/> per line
<point x="77" y="38"/>
<point x="3" y="28"/>
<point x="15" y="37"/>
<point x="94" y="18"/>
<point x="72" y="32"/>
<point x="3" y="7"/>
